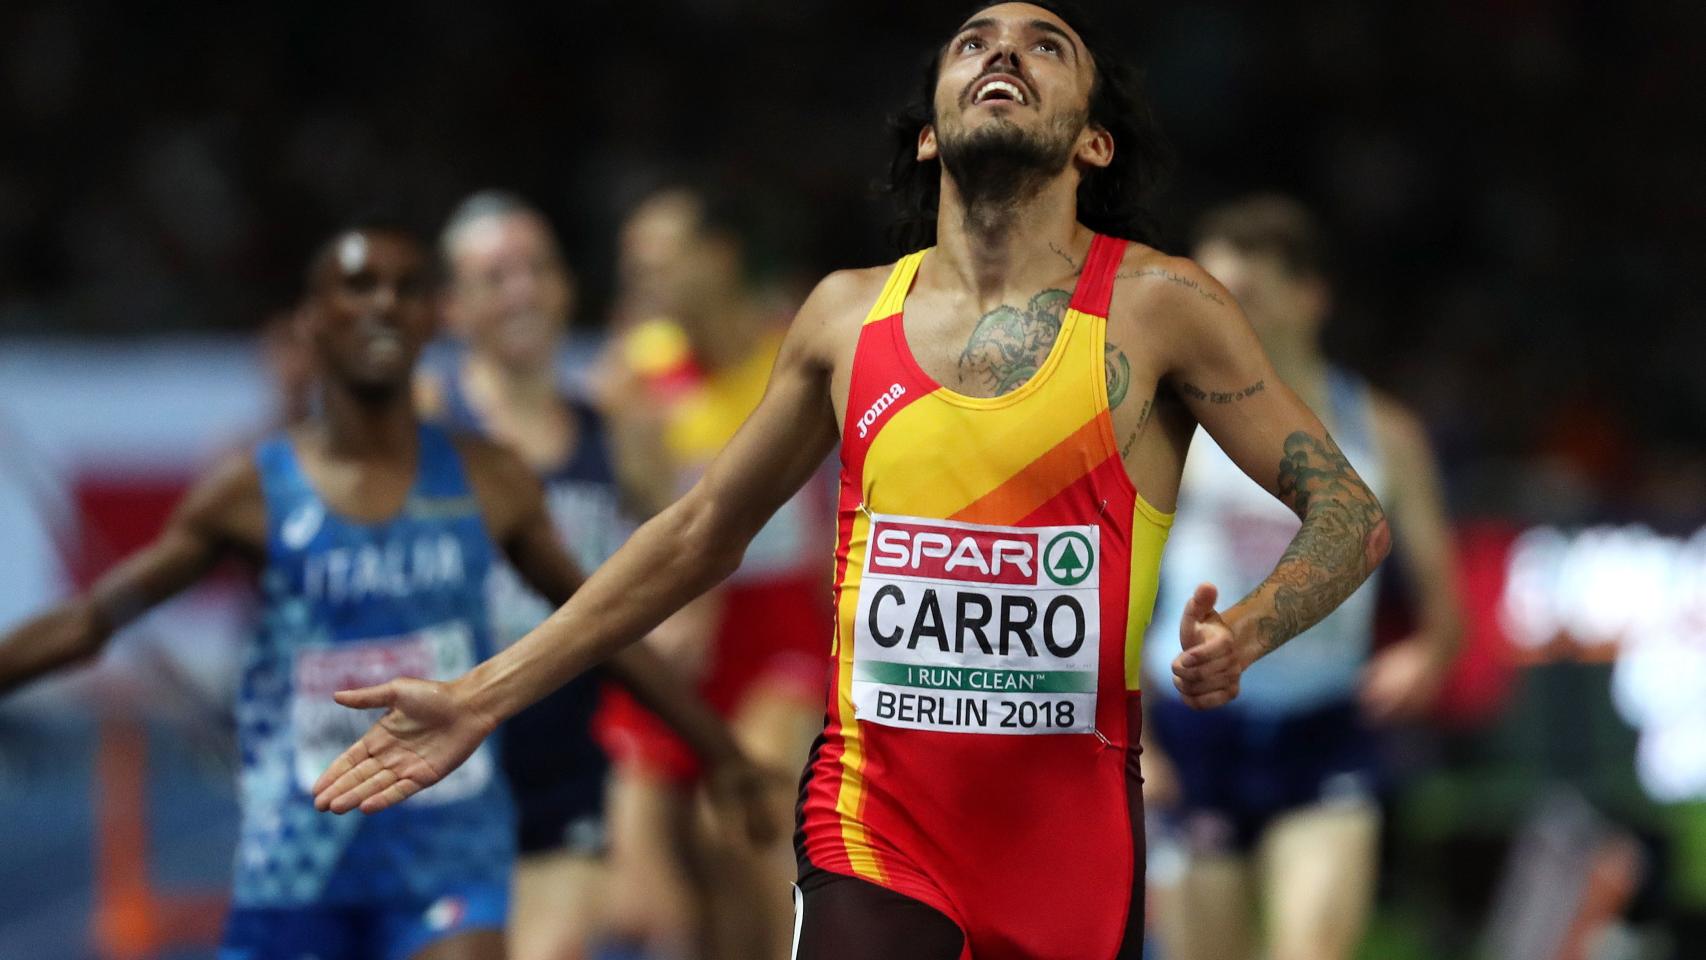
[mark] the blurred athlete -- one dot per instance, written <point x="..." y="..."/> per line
<point x="509" y="299"/>
<point x="1273" y="798"/>
<point x="759" y="636"/>
<point x="1014" y="403"/>
<point x="371" y="535"/>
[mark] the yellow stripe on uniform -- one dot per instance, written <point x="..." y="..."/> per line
<point x="966" y="465"/>
<point x="1149" y="528"/>
<point x="896" y="288"/>
<point x="852" y="792"/>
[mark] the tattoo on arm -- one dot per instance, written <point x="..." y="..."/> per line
<point x="1177" y="278"/>
<point x="1193" y="392"/>
<point x="1164" y="274"/>
<point x="1343" y="537"/>
<point x="1008" y="344"/>
<point x="1137" y="431"/>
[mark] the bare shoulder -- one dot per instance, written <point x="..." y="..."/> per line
<point x="492" y="466"/>
<point x="227" y="504"/>
<point x="840" y="300"/>
<point x="1152" y="282"/>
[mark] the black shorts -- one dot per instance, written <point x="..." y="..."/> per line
<point x="837" y="917"/>
<point x="557" y="773"/>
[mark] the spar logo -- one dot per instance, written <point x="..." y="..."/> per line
<point x="994" y="556"/>
<point x="1067" y="558"/>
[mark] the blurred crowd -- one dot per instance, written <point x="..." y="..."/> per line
<point x="1512" y="198"/>
<point x="1512" y="187"/>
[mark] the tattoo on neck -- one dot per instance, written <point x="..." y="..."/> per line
<point x="1077" y="267"/>
<point x="1008" y="344"/>
<point x="1193" y="392"/>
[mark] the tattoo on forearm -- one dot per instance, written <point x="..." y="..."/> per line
<point x="1009" y="344"/>
<point x="1118" y="372"/>
<point x="1343" y="538"/>
<point x="1193" y="392"/>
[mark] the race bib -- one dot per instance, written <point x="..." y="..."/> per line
<point x="323" y="730"/>
<point x="966" y="628"/>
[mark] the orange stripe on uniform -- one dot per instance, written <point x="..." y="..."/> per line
<point x="1038" y="482"/>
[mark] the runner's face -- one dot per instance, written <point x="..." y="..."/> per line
<point x="369" y="311"/>
<point x="671" y="266"/>
<point x="1013" y="69"/>
<point x="512" y="291"/>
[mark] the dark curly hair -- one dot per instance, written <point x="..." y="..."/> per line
<point x="1111" y="200"/>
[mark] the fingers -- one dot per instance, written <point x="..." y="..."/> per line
<point x="390" y="796"/>
<point x="1208" y="701"/>
<point x="363" y="768"/>
<point x="1199" y="608"/>
<point x="340" y="767"/>
<point x="367" y="698"/>
<point x="1207" y="673"/>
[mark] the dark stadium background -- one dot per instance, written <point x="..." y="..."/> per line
<point x="1514" y="188"/>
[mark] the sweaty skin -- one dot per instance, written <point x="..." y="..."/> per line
<point x="1180" y="352"/>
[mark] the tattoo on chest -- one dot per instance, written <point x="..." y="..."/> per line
<point x="1008" y="344"/>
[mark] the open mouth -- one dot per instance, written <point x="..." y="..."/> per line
<point x="998" y="89"/>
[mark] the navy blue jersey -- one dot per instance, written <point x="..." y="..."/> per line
<point x="555" y="768"/>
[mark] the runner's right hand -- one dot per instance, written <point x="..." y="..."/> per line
<point x="426" y="732"/>
<point x="1208" y="666"/>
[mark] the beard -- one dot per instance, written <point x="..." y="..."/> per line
<point x="1000" y="164"/>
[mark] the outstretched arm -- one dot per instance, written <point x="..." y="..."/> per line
<point x="208" y="521"/>
<point x="683" y="551"/>
<point x="1219" y="370"/>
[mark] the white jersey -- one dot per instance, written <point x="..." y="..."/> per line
<point x="1230" y="532"/>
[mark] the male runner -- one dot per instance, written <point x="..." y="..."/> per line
<point x="371" y="535"/>
<point x="508" y="299"/>
<point x="1273" y="797"/>
<point x="683" y="263"/>
<point x="1014" y="405"/>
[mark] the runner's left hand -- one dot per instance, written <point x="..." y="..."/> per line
<point x="426" y="732"/>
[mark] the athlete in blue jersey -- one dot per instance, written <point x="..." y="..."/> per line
<point x="1269" y="803"/>
<point x="371" y="536"/>
<point x="509" y="298"/>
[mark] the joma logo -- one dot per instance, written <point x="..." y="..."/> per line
<point x="883" y="402"/>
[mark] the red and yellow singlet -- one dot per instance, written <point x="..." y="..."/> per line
<point x="994" y="572"/>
